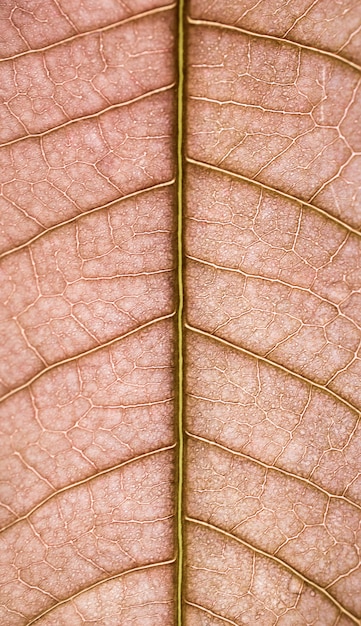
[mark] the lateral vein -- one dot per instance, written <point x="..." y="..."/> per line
<point x="95" y="31"/>
<point x="86" y="481"/>
<point x="290" y="42"/>
<point x="260" y="185"/>
<point x="90" y="116"/>
<point x="83" y="354"/>
<point x="273" y="468"/>
<point x="97" y="584"/>
<point x="75" y="218"/>
<point x="274" y="364"/>
<point x="280" y="562"/>
<point x="203" y="608"/>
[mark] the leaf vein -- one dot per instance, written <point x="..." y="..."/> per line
<point x="97" y="584"/>
<point x="280" y="562"/>
<point x="84" y="118"/>
<point x="86" y="481"/>
<point x="102" y="29"/>
<point x="260" y="185"/>
<point x="275" y="364"/>
<point x="290" y="42"/>
<point x="85" y="353"/>
<point x="275" y="468"/>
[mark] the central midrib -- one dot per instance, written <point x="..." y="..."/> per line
<point x="180" y="346"/>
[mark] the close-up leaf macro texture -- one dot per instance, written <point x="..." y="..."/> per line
<point x="180" y="313"/>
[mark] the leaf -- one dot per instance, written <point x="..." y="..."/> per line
<point x="180" y="442"/>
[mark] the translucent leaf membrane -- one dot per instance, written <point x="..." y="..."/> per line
<point x="88" y="470"/>
<point x="87" y="341"/>
<point x="272" y="500"/>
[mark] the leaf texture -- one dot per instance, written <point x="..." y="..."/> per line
<point x="87" y="341"/>
<point x="273" y="334"/>
<point x="261" y="487"/>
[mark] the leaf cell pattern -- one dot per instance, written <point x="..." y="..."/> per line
<point x="89" y="458"/>
<point x="272" y="331"/>
<point x="87" y="338"/>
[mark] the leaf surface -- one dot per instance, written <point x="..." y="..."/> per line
<point x="235" y="431"/>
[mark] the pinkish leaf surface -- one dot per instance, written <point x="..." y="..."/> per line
<point x="105" y="521"/>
